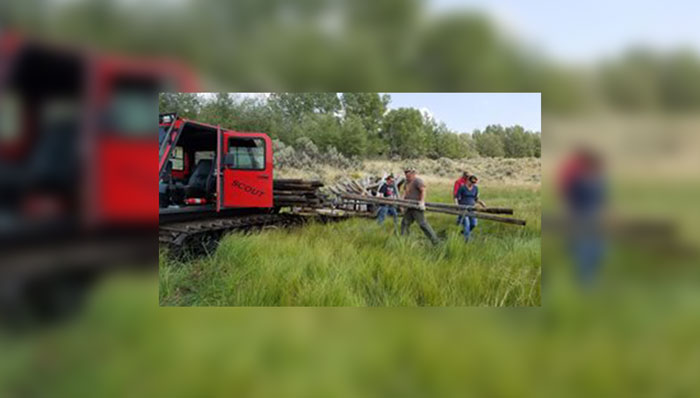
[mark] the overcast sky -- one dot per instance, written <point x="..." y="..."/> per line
<point x="464" y="112"/>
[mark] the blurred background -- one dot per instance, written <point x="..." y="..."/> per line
<point x="620" y="88"/>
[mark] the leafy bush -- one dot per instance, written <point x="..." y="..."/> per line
<point x="306" y="155"/>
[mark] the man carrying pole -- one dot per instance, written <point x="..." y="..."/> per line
<point x="415" y="190"/>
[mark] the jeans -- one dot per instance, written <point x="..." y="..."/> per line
<point x="587" y="246"/>
<point x="460" y="217"/>
<point x="469" y="223"/>
<point x="390" y="210"/>
<point x="418" y="216"/>
<point x="588" y="253"/>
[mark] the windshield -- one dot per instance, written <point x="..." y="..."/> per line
<point x="162" y="134"/>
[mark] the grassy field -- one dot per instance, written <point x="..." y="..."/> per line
<point x="359" y="263"/>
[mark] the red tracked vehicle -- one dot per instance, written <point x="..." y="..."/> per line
<point x="213" y="180"/>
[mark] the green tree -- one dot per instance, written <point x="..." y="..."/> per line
<point x="632" y="82"/>
<point x="186" y="105"/>
<point x="405" y="133"/>
<point x="218" y="111"/>
<point x="466" y="52"/>
<point x="517" y="143"/>
<point x="354" y="137"/>
<point x="322" y="129"/>
<point x="536" y="144"/>
<point x="370" y="109"/>
<point x="451" y="146"/>
<point x="467" y="145"/>
<point x="251" y="114"/>
<point x="434" y="144"/>
<point x="443" y="142"/>
<point x="489" y="143"/>
<point x="680" y="81"/>
<point x="294" y="106"/>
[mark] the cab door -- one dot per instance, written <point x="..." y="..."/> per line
<point x="247" y="172"/>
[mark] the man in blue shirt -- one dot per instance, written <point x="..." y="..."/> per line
<point x="468" y="195"/>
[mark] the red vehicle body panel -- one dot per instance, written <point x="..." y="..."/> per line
<point x="125" y="182"/>
<point x="219" y="151"/>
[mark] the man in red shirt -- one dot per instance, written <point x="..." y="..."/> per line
<point x="461" y="181"/>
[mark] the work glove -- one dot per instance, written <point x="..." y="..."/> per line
<point x="421" y="206"/>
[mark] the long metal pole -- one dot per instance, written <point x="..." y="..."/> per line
<point x="494" y="210"/>
<point x="414" y="205"/>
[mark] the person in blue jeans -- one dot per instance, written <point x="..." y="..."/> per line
<point x="388" y="190"/>
<point x="584" y="189"/>
<point x="468" y="195"/>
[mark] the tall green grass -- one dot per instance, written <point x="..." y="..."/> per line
<point x="360" y="263"/>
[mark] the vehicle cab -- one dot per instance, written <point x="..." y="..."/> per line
<point x="207" y="167"/>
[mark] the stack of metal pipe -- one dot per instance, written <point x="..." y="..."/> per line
<point x="297" y="193"/>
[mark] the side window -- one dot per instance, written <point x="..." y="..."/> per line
<point x="178" y="159"/>
<point x="130" y="113"/>
<point x="131" y="106"/>
<point x="248" y="153"/>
